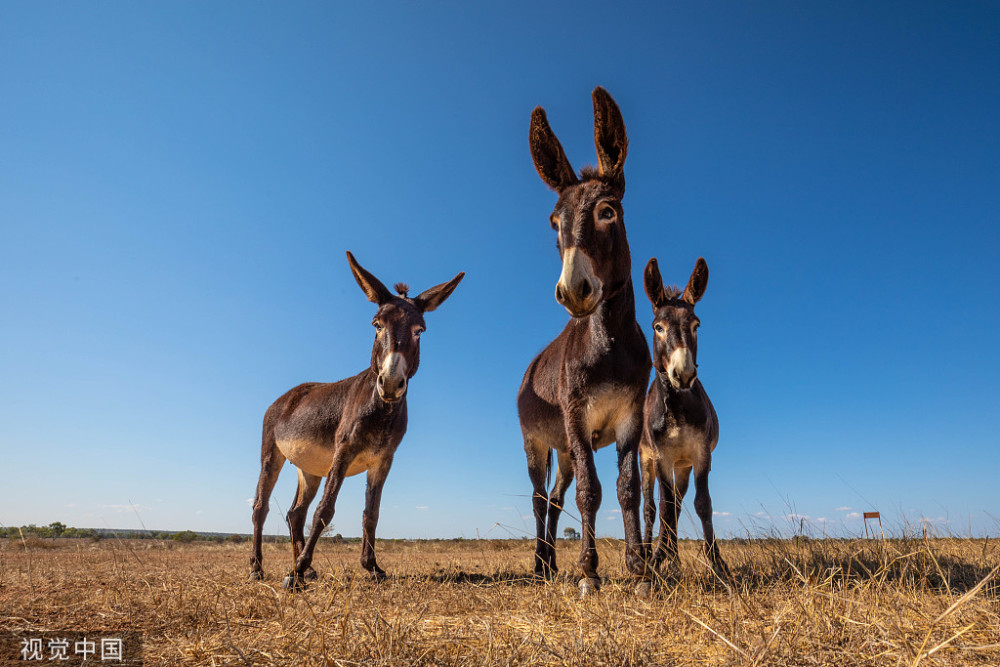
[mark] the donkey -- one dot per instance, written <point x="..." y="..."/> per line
<point x="345" y="428"/>
<point x="585" y="390"/>
<point x="680" y="429"/>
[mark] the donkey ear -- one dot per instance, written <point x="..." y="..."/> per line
<point x="653" y="283"/>
<point x="609" y="137"/>
<point x="696" y="285"/>
<point x="548" y="155"/>
<point x="430" y="299"/>
<point x="370" y="285"/>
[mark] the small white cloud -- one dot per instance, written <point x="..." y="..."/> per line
<point x="720" y="513"/>
<point x="845" y="508"/>
<point x="249" y="501"/>
<point x="70" y="505"/>
<point x="821" y="519"/>
<point x="507" y="509"/>
<point x="796" y="517"/>
<point x="853" y="515"/>
<point x="615" y="511"/>
<point x="762" y="515"/>
<point x="423" y="507"/>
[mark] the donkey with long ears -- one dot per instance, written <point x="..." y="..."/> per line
<point x="680" y="429"/>
<point x="339" y="429"/>
<point x="585" y="390"/>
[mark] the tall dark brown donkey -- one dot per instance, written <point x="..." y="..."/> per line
<point x="680" y="429"/>
<point x="344" y="428"/>
<point x="585" y="390"/>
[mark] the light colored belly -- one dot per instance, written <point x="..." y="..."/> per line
<point x="608" y="411"/>
<point x="317" y="458"/>
<point x="681" y="448"/>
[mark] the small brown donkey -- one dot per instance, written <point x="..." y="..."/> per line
<point x="680" y="429"/>
<point x="344" y="428"/>
<point x="585" y="390"/>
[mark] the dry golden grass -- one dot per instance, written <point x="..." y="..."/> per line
<point x="469" y="603"/>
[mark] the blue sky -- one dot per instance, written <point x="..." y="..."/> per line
<point x="180" y="182"/>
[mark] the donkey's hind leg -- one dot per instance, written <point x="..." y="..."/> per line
<point x="539" y="463"/>
<point x="271" y="461"/>
<point x="304" y="494"/>
<point x="557" y="497"/>
<point x="647" y="466"/>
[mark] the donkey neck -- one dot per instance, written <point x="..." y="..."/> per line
<point x="679" y="402"/>
<point x="615" y="316"/>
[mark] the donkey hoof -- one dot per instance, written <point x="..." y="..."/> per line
<point x="293" y="582"/>
<point x="256" y="575"/>
<point x="589" y="586"/>
<point x="310" y="575"/>
<point x="644" y="589"/>
<point x="378" y="576"/>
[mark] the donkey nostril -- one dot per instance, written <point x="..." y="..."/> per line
<point x="585" y="289"/>
<point x="559" y="293"/>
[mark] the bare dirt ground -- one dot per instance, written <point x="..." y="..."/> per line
<point x="792" y="602"/>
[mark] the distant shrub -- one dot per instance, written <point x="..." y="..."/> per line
<point x="185" y="536"/>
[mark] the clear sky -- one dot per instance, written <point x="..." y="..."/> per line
<point x="179" y="182"/>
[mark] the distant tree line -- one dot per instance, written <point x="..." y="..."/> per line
<point x="59" y="529"/>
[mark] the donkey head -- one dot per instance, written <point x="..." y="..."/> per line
<point x="398" y="325"/>
<point x="675" y="326"/>
<point x="588" y="216"/>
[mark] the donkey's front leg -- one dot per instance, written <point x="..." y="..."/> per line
<point x="588" y="496"/>
<point x="629" y="495"/>
<point x="373" y="499"/>
<point x="703" y="506"/>
<point x="324" y="514"/>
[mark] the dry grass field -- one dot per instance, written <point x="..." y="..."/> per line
<point x="798" y="602"/>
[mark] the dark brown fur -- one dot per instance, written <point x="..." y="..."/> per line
<point x="344" y="428"/>
<point x="585" y="389"/>
<point x="680" y="426"/>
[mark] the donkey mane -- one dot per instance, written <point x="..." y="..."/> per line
<point x="672" y="292"/>
<point x="590" y="173"/>
<point x="401" y="289"/>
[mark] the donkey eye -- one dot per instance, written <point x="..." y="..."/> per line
<point x="606" y="213"/>
<point x="378" y="327"/>
<point x="659" y="328"/>
<point x="418" y="331"/>
<point x="554" y="221"/>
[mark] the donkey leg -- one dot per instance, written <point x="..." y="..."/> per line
<point x="538" y="460"/>
<point x="670" y="502"/>
<point x="271" y="461"/>
<point x="324" y="514"/>
<point x="308" y="485"/>
<point x="369" y="521"/>
<point x="703" y="506"/>
<point x="588" y="498"/>
<point x="629" y="495"/>
<point x="648" y="469"/>
<point x="556" y="503"/>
